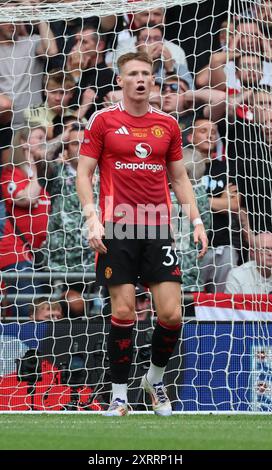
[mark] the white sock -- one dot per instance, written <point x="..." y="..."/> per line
<point x="119" y="391"/>
<point x="155" y="374"/>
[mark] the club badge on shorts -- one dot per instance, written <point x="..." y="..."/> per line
<point x="108" y="272"/>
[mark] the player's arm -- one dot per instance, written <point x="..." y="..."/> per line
<point x="85" y="171"/>
<point x="183" y="190"/>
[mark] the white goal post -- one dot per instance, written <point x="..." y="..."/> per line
<point x="44" y="10"/>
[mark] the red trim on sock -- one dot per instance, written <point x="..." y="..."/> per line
<point x="122" y="323"/>
<point x="169" y="327"/>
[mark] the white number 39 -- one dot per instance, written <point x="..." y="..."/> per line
<point x="170" y="259"/>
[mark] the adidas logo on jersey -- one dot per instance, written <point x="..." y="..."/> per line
<point x="122" y="130"/>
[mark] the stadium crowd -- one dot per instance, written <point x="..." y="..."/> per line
<point x="55" y="75"/>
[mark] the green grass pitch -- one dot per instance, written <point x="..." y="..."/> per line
<point x="134" y="432"/>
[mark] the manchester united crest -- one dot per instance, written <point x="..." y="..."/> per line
<point x="108" y="272"/>
<point x="157" y="131"/>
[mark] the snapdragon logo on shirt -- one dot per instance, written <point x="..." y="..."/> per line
<point x="138" y="166"/>
<point x="142" y="151"/>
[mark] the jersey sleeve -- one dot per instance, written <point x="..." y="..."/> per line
<point x="175" y="148"/>
<point x="92" y="145"/>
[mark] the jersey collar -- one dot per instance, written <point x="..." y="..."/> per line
<point x="122" y="107"/>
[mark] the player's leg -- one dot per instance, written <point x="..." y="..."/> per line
<point x="120" y="346"/>
<point x="118" y="270"/>
<point x="160" y="270"/>
<point x="167" y="299"/>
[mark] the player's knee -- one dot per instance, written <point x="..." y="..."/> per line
<point x="172" y="317"/>
<point x="125" y="312"/>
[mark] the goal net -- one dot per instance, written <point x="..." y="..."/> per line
<point x="213" y="73"/>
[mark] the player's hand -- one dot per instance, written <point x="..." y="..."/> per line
<point x="201" y="236"/>
<point x="95" y="234"/>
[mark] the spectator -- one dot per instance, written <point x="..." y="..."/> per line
<point x="174" y="92"/>
<point x="143" y="305"/>
<point x="224" y="198"/>
<point x="59" y="88"/>
<point x="247" y="38"/>
<point x="248" y="72"/>
<point x="86" y="62"/>
<point x="126" y="39"/>
<point x="5" y="136"/>
<point x="5" y="110"/>
<point x="43" y="310"/>
<point x="248" y="78"/>
<point x="150" y="40"/>
<point x="263" y="15"/>
<point x="74" y="303"/>
<point x="113" y="97"/>
<point x="195" y="27"/>
<point x="188" y="253"/>
<point x="226" y="30"/>
<point x="249" y="156"/>
<point x="27" y="208"/>
<point x="255" y="276"/>
<point x="67" y="248"/>
<point x="155" y="97"/>
<point x="181" y="102"/>
<point x="21" y="65"/>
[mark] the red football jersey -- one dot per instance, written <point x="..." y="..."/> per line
<point x="31" y="221"/>
<point x="132" y="154"/>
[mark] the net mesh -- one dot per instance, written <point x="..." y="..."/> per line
<point x="212" y="65"/>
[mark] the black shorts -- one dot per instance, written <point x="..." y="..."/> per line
<point x="134" y="260"/>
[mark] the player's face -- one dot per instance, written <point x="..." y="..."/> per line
<point x="136" y="80"/>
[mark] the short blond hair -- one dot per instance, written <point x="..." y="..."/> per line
<point x="141" y="56"/>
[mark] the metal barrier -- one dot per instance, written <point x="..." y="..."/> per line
<point x="5" y="276"/>
<point x="53" y="279"/>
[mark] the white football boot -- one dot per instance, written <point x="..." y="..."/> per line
<point x="160" y="402"/>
